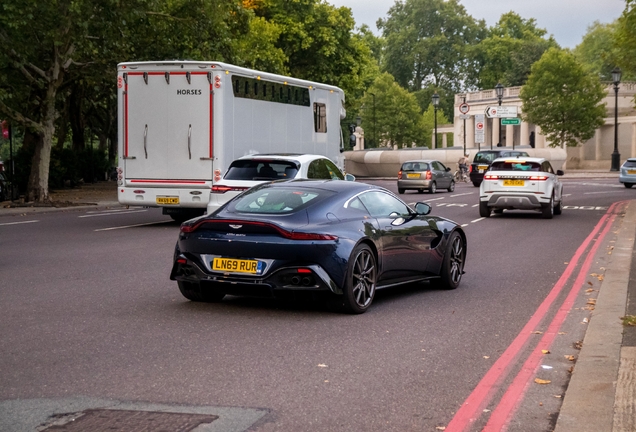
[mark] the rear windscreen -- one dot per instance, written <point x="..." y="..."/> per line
<point x="629" y="164"/>
<point x="255" y="169"/>
<point x="515" y="166"/>
<point x="485" y="157"/>
<point x="415" y="166"/>
<point x="277" y="200"/>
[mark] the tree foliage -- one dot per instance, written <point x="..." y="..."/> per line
<point x="55" y="50"/>
<point x="506" y="55"/>
<point x="563" y="99"/>
<point x="426" y="42"/>
<point x="397" y="120"/>
<point x="595" y="50"/>
<point x="625" y="40"/>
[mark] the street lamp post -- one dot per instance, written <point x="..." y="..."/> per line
<point x="375" y="143"/>
<point x="464" y="101"/>
<point x="435" y="104"/>
<point x="499" y="89"/>
<point x="616" y="156"/>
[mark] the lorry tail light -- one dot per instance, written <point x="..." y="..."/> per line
<point x="217" y="175"/>
<point x="220" y="189"/>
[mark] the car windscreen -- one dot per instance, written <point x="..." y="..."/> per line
<point x="629" y="164"/>
<point x="280" y="200"/>
<point x="261" y="169"/>
<point x="515" y="166"/>
<point x="415" y="166"/>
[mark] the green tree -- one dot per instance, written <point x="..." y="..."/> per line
<point x="625" y="40"/>
<point x="426" y="42"/>
<point x="428" y="121"/>
<point x="319" y="43"/>
<point x="563" y="99"/>
<point x="595" y="49"/>
<point x="397" y="119"/>
<point x="53" y="50"/>
<point x="509" y="51"/>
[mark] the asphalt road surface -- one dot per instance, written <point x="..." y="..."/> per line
<point x="89" y="318"/>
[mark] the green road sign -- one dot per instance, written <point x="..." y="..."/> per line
<point x="511" y="121"/>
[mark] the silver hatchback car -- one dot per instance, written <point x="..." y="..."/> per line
<point x="425" y="174"/>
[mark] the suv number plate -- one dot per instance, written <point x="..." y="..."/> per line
<point x="514" y="183"/>
<point x="236" y="265"/>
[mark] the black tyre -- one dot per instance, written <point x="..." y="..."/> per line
<point x="628" y="185"/>
<point x="547" y="210"/>
<point x="453" y="264"/>
<point x="484" y="210"/>
<point x="558" y="208"/>
<point x="200" y="293"/>
<point x="400" y="191"/>
<point x="360" y="283"/>
<point x="451" y="187"/>
<point x="432" y="188"/>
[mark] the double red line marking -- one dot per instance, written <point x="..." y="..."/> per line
<point x="473" y="406"/>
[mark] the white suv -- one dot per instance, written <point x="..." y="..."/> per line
<point x="252" y="170"/>
<point x="523" y="183"/>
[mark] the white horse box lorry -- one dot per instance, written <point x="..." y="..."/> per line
<point x="181" y="124"/>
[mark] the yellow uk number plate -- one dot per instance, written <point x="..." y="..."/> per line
<point x="482" y="168"/>
<point x="168" y="200"/>
<point x="514" y="183"/>
<point x="631" y="171"/>
<point x="236" y="265"/>
<point x="413" y="175"/>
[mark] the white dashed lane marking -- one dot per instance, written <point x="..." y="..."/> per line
<point x="18" y="223"/>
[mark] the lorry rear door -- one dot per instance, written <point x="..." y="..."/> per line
<point x="168" y="126"/>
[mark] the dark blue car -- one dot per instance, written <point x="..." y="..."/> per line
<point x="343" y="238"/>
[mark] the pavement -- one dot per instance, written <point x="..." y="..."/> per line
<point x="601" y="395"/>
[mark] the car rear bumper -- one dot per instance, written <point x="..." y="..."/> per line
<point x="627" y="178"/>
<point x="283" y="278"/>
<point x="515" y="201"/>
<point x="414" y="184"/>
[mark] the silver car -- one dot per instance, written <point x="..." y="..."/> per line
<point x="627" y="175"/>
<point x="425" y="174"/>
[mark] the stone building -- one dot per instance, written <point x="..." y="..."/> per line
<point x="592" y="154"/>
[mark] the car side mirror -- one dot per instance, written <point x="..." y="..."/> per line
<point x="422" y="208"/>
<point x="350" y="177"/>
<point x="447" y="169"/>
<point x="560" y="172"/>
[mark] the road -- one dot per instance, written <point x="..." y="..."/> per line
<point x="89" y="318"/>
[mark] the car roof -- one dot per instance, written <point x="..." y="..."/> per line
<point x="520" y="158"/>
<point x="421" y="160"/>
<point x="299" y="157"/>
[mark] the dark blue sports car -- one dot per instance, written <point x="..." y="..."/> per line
<point x="344" y="238"/>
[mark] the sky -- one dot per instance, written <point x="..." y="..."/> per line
<point x="566" y="20"/>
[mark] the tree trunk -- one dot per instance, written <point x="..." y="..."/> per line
<point x="38" y="188"/>
<point x="77" y="118"/>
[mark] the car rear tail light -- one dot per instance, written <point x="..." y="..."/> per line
<point x="400" y="175"/>
<point x="470" y="169"/>
<point x="292" y="235"/>
<point x="429" y="175"/>
<point x="182" y="261"/>
<point x="220" y="189"/>
<point x="491" y="177"/>
<point x="304" y="270"/>
<point x="539" y="178"/>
